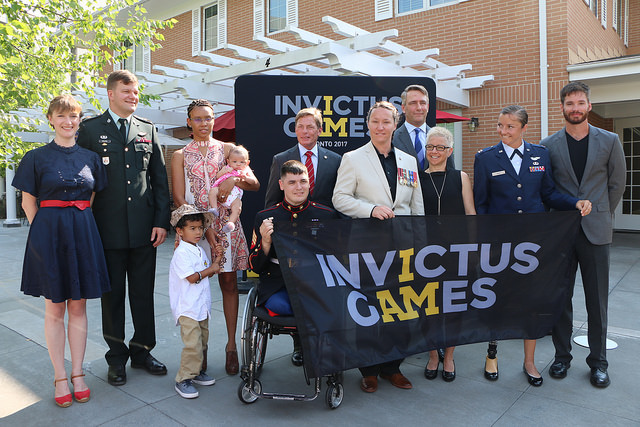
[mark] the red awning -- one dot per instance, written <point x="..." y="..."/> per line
<point x="442" y="117"/>
<point x="227" y="121"/>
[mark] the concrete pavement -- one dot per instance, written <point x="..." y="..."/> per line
<point x="26" y="375"/>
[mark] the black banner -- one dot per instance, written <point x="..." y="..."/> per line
<point x="367" y="291"/>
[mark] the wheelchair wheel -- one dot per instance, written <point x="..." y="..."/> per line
<point x="244" y="391"/>
<point x="247" y="324"/>
<point x="258" y="345"/>
<point x="334" y="395"/>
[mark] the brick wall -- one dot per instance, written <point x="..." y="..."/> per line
<point x="498" y="40"/>
<point x="634" y="27"/>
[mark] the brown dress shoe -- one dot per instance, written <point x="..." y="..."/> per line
<point x="397" y="380"/>
<point x="369" y="384"/>
<point x="231" y="365"/>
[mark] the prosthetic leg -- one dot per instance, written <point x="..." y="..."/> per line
<point x="491" y="363"/>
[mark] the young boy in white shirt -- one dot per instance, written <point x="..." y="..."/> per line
<point x="190" y="296"/>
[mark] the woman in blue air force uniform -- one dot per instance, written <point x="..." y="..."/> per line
<point x="515" y="176"/>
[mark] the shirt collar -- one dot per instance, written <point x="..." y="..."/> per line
<point x="303" y="150"/>
<point x="116" y="117"/>
<point x="194" y="249"/>
<point x="411" y="128"/>
<point x="509" y="150"/>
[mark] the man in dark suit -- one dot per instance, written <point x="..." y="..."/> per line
<point x="588" y="163"/>
<point x="322" y="164"/>
<point x="132" y="214"/>
<point x="415" y="106"/>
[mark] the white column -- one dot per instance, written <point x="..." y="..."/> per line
<point x="12" y="220"/>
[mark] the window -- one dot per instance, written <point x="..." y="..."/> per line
<point x="138" y="62"/>
<point x="409" y="5"/>
<point x="209" y="27"/>
<point x="277" y="15"/>
<point x="417" y="5"/>
<point x="274" y="15"/>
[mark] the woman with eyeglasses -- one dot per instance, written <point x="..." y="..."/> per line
<point x="445" y="191"/>
<point x="193" y="172"/>
<point x="512" y="177"/>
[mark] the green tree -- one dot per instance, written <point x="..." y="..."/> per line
<point x="51" y="46"/>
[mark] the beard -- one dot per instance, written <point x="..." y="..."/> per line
<point x="575" y="120"/>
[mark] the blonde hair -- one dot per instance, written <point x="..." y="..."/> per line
<point x="314" y="112"/>
<point x="387" y="106"/>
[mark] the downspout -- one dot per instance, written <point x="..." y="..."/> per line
<point x="544" y="77"/>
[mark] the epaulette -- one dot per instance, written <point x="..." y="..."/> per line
<point x="277" y="205"/>
<point x="485" y="150"/>
<point x="321" y="206"/>
<point x="88" y="119"/>
<point x="142" y="119"/>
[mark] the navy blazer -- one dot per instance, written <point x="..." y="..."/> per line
<point x="497" y="189"/>
<point x="325" y="180"/>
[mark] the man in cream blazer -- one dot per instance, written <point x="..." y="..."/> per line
<point x="379" y="181"/>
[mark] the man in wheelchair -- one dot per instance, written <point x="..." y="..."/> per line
<point x="272" y="294"/>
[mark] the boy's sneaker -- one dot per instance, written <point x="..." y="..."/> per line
<point x="204" y="379"/>
<point x="186" y="389"/>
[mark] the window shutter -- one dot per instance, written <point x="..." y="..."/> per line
<point x="626" y="23"/>
<point x="292" y="13"/>
<point x="384" y="9"/>
<point x="222" y="23"/>
<point x="146" y="57"/>
<point x="258" y="17"/>
<point x="614" y="15"/>
<point x="603" y="14"/>
<point x="195" y="32"/>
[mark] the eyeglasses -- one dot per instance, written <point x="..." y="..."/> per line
<point x="430" y="147"/>
<point x="199" y="120"/>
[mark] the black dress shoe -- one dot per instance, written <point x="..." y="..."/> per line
<point x="296" y="357"/>
<point x="534" y="381"/>
<point x="117" y="375"/>
<point x="449" y="376"/>
<point x="600" y="377"/>
<point x="559" y="369"/>
<point x="151" y="365"/>
<point x="493" y="365"/>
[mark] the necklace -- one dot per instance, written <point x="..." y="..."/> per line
<point x="438" y="193"/>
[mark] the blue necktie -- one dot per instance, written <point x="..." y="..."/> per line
<point x="419" y="149"/>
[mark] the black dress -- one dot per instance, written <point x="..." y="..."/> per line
<point x="451" y="193"/>
<point x="64" y="258"/>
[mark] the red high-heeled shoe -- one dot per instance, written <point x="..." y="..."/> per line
<point x="62" y="401"/>
<point x="81" y="396"/>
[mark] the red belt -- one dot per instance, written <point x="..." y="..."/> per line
<point x="80" y="204"/>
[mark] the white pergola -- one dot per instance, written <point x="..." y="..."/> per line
<point x="353" y="51"/>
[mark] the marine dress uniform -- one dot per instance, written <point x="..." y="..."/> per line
<point x="135" y="200"/>
<point x="267" y="265"/>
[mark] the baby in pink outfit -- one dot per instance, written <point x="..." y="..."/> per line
<point x="237" y="162"/>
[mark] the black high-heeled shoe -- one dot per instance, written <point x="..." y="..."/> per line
<point x="431" y="374"/>
<point x="534" y="381"/>
<point x="449" y="376"/>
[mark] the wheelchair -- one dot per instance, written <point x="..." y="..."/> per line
<point x="257" y="328"/>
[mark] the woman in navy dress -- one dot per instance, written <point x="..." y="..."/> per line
<point x="64" y="259"/>
<point x="445" y="191"/>
<point x="511" y="177"/>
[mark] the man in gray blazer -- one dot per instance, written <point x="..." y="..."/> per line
<point x="308" y="126"/>
<point x="588" y="163"/>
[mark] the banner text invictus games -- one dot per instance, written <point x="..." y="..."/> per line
<point x="414" y="300"/>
